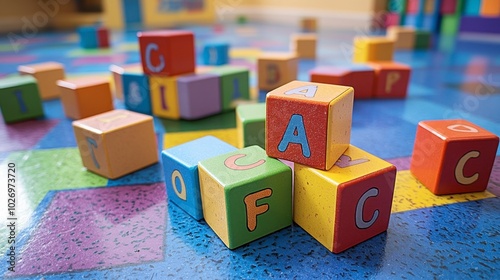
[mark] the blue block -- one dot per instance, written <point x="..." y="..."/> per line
<point x="180" y="166"/>
<point x="216" y="53"/>
<point x="88" y="37"/>
<point x="472" y="7"/>
<point x="136" y="92"/>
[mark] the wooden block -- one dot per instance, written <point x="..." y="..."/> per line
<point x="490" y="8"/>
<point x="276" y="69"/>
<point x="391" y="79"/>
<point x="117" y="72"/>
<point x="216" y="53"/>
<point x="453" y="156"/>
<point x="88" y="37"/>
<point x="449" y="7"/>
<point x="234" y="84"/>
<point x="180" y="166"/>
<point x="102" y="37"/>
<point x="20" y="99"/>
<point x="360" y="77"/>
<point x="85" y="97"/>
<point x="136" y="92"/>
<point x="304" y="45"/>
<point x="373" y="49"/>
<point x="309" y="123"/>
<point x="309" y="25"/>
<point x="423" y="39"/>
<point x="46" y="75"/>
<point x="347" y="204"/>
<point x="167" y="53"/>
<point x="199" y="96"/>
<point x="245" y="195"/>
<point x="251" y="125"/>
<point x="403" y="37"/>
<point x="164" y="97"/>
<point x="116" y="143"/>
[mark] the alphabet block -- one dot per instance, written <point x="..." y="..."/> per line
<point x="245" y="195"/>
<point x="20" y="99"/>
<point x="88" y="37"/>
<point x="199" y="96"/>
<point x="453" y="156"/>
<point x="167" y="53"/>
<point x="164" y="97"/>
<point x="370" y="49"/>
<point x="304" y="45"/>
<point x="403" y="37"/>
<point x="216" y="53"/>
<point x="357" y="76"/>
<point x="136" y="92"/>
<point x="85" y="97"/>
<point x="276" y="69"/>
<point x="180" y="166"/>
<point x="117" y="72"/>
<point x="116" y="143"/>
<point x="234" y="83"/>
<point x="349" y="203"/>
<point x="391" y="79"/>
<point x="250" y="125"/>
<point x="46" y="75"/>
<point x="309" y="123"/>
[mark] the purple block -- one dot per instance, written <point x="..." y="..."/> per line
<point x="480" y="24"/>
<point x="199" y="96"/>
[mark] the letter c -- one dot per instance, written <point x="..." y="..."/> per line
<point x="230" y="163"/>
<point x="459" y="169"/>
<point x="360" y="222"/>
<point x="155" y="69"/>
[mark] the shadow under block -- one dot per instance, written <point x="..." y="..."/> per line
<point x="276" y="69"/>
<point x="349" y="203"/>
<point x="309" y="123"/>
<point x="199" y="96"/>
<point x="373" y="49"/>
<point x="85" y="97"/>
<point x="251" y="125"/>
<point x="116" y="143"/>
<point x="167" y="53"/>
<point x="234" y="84"/>
<point x="361" y="78"/>
<point x="180" y="166"/>
<point x="46" y="75"/>
<point x="20" y="99"/>
<point x="304" y="45"/>
<point x="391" y="79"/>
<point x="245" y="195"/>
<point x="404" y="37"/>
<point x="216" y="53"/>
<point x="490" y="8"/>
<point x="136" y="92"/>
<point x="453" y="156"/>
<point x="164" y="97"/>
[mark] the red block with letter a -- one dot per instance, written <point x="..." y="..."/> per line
<point x="391" y="79"/>
<point x="359" y="77"/>
<point x="453" y="156"/>
<point x="167" y="53"/>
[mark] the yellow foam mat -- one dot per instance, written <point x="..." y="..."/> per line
<point x="172" y="139"/>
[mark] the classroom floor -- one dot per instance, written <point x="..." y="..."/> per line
<point x="73" y="223"/>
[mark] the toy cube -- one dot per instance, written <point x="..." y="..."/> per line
<point x="102" y="37"/>
<point x="368" y="49"/>
<point x="391" y="79"/>
<point x="412" y="7"/>
<point x="88" y="37"/>
<point x="309" y="25"/>
<point x="251" y="125"/>
<point x="359" y="77"/>
<point x="136" y="92"/>
<point x="180" y="166"/>
<point x="276" y="69"/>
<point x="304" y="45"/>
<point x="490" y="8"/>
<point x="164" y="97"/>
<point x="216" y="53"/>
<point x="167" y="53"/>
<point x="199" y="96"/>
<point x="453" y="156"/>
<point x="347" y="204"/>
<point x="117" y="73"/>
<point x="245" y="195"/>
<point x="309" y="123"/>
<point x="85" y="97"/>
<point x="448" y="7"/>
<point x="404" y="37"/>
<point x="422" y="39"/>
<point x="392" y="19"/>
<point x="234" y="84"/>
<point x="46" y="75"/>
<point x="116" y="143"/>
<point x="450" y="24"/>
<point x="20" y="99"/>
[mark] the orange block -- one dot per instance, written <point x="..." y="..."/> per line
<point x="361" y="78"/>
<point x="304" y="45"/>
<point x="116" y="143"/>
<point x="490" y="8"/>
<point x="391" y="79"/>
<point x="46" y="75"/>
<point x="276" y="69"/>
<point x="453" y="156"/>
<point x="85" y="97"/>
<point x="117" y="72"/>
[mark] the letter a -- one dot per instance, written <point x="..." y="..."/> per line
<point x="295" y="133"/>
<point x="253" y="210"/>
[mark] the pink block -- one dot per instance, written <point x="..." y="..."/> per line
<point x="391" y="19"/>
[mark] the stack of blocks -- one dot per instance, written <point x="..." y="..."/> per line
<point x="93" y="37"/>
